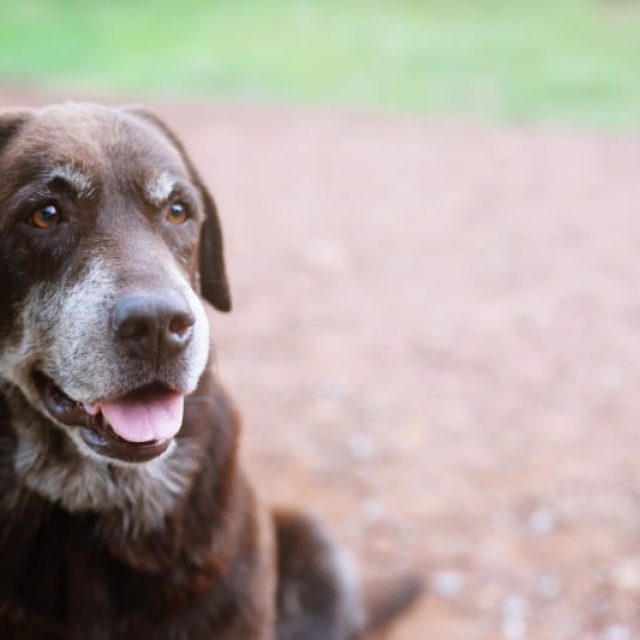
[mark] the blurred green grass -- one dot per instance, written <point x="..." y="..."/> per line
<point x="525" y="60"/>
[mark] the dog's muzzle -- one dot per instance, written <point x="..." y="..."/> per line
<point x="151" y="329"/>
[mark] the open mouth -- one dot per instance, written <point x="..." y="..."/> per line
<point x="135" y="427"/>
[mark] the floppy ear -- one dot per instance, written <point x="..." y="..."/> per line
<point x="214" y="286"/>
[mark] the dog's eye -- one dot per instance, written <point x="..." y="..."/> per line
<point x="45" y="217"/>
<point x="177" y="213"/>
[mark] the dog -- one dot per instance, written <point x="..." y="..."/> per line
<point x="124" y="513"/>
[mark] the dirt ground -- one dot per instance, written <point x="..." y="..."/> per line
<point x="436" y="347"/>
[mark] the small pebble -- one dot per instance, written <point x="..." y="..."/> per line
<point x="548" y="586"/>
<point x="361" y="446"/>
<point x="626" y="575"/>
<point x="372" y="511"/>
<point x="617" y="632"/>
<point x="514" y="606"/>
<point x="448" y="584"/>
<point x="542" y="521"/>
<point x="514" y="612"/>
<point x="514" y="629"/>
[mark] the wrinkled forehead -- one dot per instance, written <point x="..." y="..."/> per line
<point x="92" y="148"/>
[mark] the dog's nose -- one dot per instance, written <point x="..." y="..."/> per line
<point x="153" y="325"/>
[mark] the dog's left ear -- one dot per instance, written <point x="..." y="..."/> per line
<point x="213" y="273"/>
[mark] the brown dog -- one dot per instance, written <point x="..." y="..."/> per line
<point x="123" y="512"/>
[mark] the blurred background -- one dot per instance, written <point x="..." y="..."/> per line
<point x="431" y="214"/>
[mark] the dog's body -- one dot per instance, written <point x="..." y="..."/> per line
<point x="123" y="512"/>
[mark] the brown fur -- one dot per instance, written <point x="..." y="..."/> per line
<point x="91" y="548"/>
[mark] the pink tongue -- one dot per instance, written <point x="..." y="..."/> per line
<point x="145" y="416"/>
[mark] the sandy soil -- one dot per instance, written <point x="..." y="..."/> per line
<point x="436" y="347"/>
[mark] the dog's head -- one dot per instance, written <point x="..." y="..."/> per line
<point x="107" y="236"/>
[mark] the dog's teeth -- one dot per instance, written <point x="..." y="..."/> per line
<point x="91" y="408"/>
<point x="93" y="437"/>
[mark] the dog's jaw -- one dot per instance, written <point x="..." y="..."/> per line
<point x="64" y="471"/>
